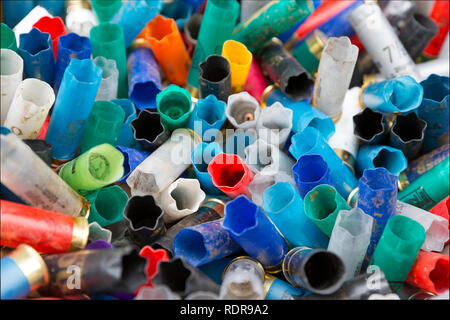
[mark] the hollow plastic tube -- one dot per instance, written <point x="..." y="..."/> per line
<point x="254" y="232"/>
<point x="73" y="105"/>
<point x="208" y="117"/>
<point x="304" y="115"/>
<point x="434" y="109"/>
<point x="230" y="174"/>
<point x="322" y="206"/>
<point x="377" y="198"/>
<point x="407" y="134"/>
<point x="261" y="156"/>
<point x="53" y="26"/>
<point x="105" y="10"/>
<point x="309" y="171"/>
<point x="428" y="190"/>
<point x="238" y="141"/>
<point x="107" y="40"/>
<point x="11" y="77"/>
<point x="350" y="238"/>
<point x="164" y="38"/>
<point x="144" y="79"/>
<point x="80" y="18"/>
<point x="45" y="231"/>
<point x="216" y="27"/>
<point x="204" y="243"/>
<point x="401" y="94"/>
<point x="98" y="233"/>
<point x="436" y="227"/>
<point x="132" y="158"/>
<point x="144" y="219"/>
<point x="210" y="210"/>
<point x="380" y="40"/>
<point x="38" y="59"/>
<point x="174" y="106"/>
<point x="423" y="164"/>
<point x="274" y="124"/>
<point x="201" y="157"/>
<point x="333" y="79"/>
<point x="107" y="205"/>
<point x="343" y="141"/>
<point x="70" y="46"/>
<point x="284" y="70"/>
<point x="305" y="267"/>
<point x="376" y="156"/>
<point x="29" y="108"/>
<point x="36" y="183"/>
<point x="398" y="248"/>
<point x="240" y="60"/>
<point x="430" y="272"/>
<point x="149" y="130"/>
<point x="95" y="168"/>
<point x="126" y="136"/>
<point x="133" y="15"/>
<point x="256" y="81"/>
<point x="109" y="83"/>
<point x="103" y="125"/>
<point x="215" y="77"/>
<point x="243" y="279"/>
<point x="370" y="127"/>
<point x="310" y="141"/>
<point x="270" y="21"/>
<point x="181" y="198"/>
<point x="263" y="180"/>
<point x="242" y="110"/>
<point x="22" y="271"/>
<point x="8" y="39"/>
<point x="283" y="205"/>
<point x="277" y="289"/>
<point x="165" y="164"/>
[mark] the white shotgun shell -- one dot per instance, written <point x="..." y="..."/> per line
<point x="242" y="110"/>
<point x="110" y="79"/>
<point x="11" y="76"/>
<point x="274" y="124"/>
<point x="26" y="24"/>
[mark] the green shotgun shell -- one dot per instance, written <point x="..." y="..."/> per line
<point x="8" y="39"/>
<point x="270" y="21"/>
<point x="217" y="26"/>
<point x="174" y="104"/>
<point x="94" y="169"/>
<point x="108" y="41"/>
<point x="430" y="188"/>
<point x="398" y="248"/>
<point x="103" y="125"/>
<point x="107" y="205"/>
<point x="105" y="9"/>
<point x="309" y="51"/>
<point x="322" y="205"/>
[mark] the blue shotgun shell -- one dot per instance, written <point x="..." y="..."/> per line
<point x="339" y="25"/>
<point x="310" y="141"/>
<point x="132" y="158"/>
<point x="435" y="111"/>
<point x="133" y="15"/>
<point x="208" y="117"/>
<point x="200" y="157"/>
<point x="254" y="232"/>
<point x="126" y="137"/>
<point x="70" y="46"/>
<point x="144" y="79"/>
<point x="311" y="170"/>
<point x="72" y="107"/>
<point x="377" y="197"/>
<point x="375" y="156"/>
<point x="204" y="243"/>
<point x="401" y="94"/>
<point x="14" y="11"/>
<point x="283" y="205"/>
<point x="304" y="114"/>
<point x="278" y="289"/>
<point x="180" y="11"/>
<point x="36" y="50"/>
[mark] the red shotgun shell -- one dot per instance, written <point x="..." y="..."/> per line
<point x="54" y="26"/>
<point x="230" y="174"/>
